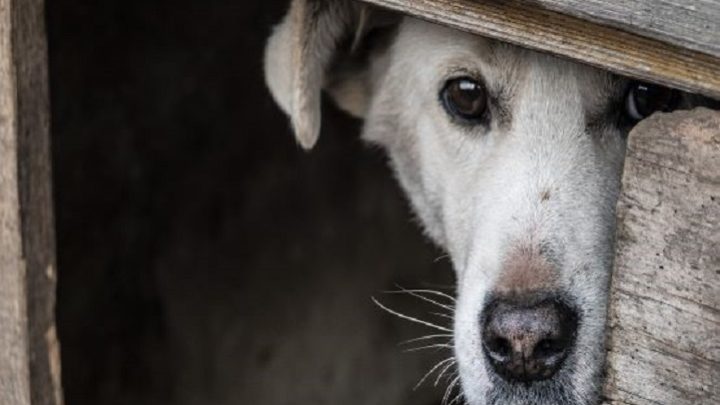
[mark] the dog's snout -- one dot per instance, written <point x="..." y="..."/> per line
<point x="528" y="342"/>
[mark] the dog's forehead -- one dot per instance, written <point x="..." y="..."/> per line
<point x="436" y="52"/>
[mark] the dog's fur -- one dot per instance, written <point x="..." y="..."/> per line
<point x="523" y="204"/>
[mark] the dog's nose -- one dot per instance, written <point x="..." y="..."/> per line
<point x="528" y="342"/>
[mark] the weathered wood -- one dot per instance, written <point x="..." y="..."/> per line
<point x="664" y="336"/>
<point x="29" y="353"/>
<point x="693" y="24"/>
<point x="14" y="355"/>
<point x="595" y="44"/>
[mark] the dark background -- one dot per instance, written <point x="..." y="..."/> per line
<point x="203" y="257"/>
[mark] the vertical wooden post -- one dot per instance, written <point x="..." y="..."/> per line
<point x="29" y="352"/>
<point x="664" y="336"/>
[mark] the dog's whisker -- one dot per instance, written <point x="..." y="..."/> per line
<point x="442" y="373"/>
<point x="427" y="291"/>
<point x="410" y="318"/>
<point x="457" y="398"/>
<point x="449" y="389"/>
<point x="428" y="337"/>
<point x="441" y="257"/>
<point x="440" y="314"/>
<point x="423" y="298"/>
<point x="428" y="347"/>
<point x="432" y="370"/>
<point x="443" y="366"/>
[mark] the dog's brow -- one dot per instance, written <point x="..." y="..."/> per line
<point x="603" y="106"/>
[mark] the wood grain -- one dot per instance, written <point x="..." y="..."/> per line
<point x="29" y="351"/>
<point x="595" y="44"/>
<point x="14" y="356"/>
<point x="664" y="335"/>
<point x="692" y="24"/>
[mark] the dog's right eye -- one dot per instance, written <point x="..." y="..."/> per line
<point x="464" y="98"/>
<point x="643" y="99"/>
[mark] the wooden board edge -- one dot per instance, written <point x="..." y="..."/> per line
<point x="664" y="310"/>
<point x="609" y="14"/>
<point x="14" y="353"/>
<point x="25" y="47"/>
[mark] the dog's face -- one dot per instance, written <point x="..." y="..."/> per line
<point x="512" y="161"/>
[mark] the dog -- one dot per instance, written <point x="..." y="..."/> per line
<point x="512" y="161"/>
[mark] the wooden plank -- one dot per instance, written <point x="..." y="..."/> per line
<point x="693" y="24"/>
<point x="14" y="356"/>
<point x="34" y="171"/>
<point x="549" y="31"/>
<point x="664" y="320"/>
<point x="29" y="355"/>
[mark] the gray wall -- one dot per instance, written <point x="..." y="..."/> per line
<point x="203" y="258"/>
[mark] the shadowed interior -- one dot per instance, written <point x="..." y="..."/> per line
<point x="203" y="257"/>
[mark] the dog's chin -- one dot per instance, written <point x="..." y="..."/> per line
<point x="554" y="391"/>
<point x="557" y="390"/>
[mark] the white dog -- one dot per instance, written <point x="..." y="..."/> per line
<point x="512" y="161"/>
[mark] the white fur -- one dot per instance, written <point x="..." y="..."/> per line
<point x="478" y="190"/>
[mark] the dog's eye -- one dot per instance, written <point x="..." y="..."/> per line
<point x="464" y="98"/>
<point x="643" y="99"/>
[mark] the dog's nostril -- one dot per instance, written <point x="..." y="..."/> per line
<point x="548" y="348"/>
<point x="528" y="342"/>
<point x="499" y="348"/>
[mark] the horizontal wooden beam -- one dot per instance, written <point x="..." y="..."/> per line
<point x="588" y="42"/>
<point x="692" y="24"/>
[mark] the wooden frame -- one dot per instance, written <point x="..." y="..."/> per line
<point x="29" y="353"/>
<point x="620" y="51"/>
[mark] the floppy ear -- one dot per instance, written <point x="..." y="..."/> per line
<point x="311" y="49"/>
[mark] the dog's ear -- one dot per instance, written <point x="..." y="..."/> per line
<point x="322" y="44"/>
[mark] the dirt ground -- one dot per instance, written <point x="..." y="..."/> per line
<point x="203" y="257"/>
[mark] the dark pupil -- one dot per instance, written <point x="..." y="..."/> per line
<point x="467" y="98"/>
<point x="649" y="98"/>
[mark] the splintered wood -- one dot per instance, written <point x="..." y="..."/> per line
<point x="664" y="336"/>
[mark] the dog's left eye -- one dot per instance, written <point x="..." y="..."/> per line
<point x="464" y="98"/>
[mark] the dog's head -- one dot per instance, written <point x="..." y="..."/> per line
<point x="512" y="161"/>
